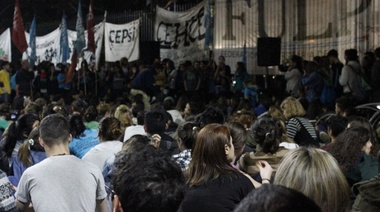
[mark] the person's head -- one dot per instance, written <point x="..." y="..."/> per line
<point x="109" y="129"/>
<point x="77" y="126"/>
<point x="245" y="117"/>
<point x="316" y="174"/>
<point x="342" y="104"/>
<point x="239" y="136"/>
<point x="351" y="55"/>
<point x="240" y="67"/>
<point x="90" y="114"/>
<point x="31" y="144"/>
<point x="187" y="134"/>
<point x="332" y="54"/>
<point x="291" y="107"/>
<point x="5" y="65"/>
<point x="221" y="59"/>
<point x="162" y="189"/>
<point x="377" y="52"/>
<point x="211" y="155"/>
<point x="335" y="125"/>
<point x="155" y="121"/>
<point x="266" y="134"/>
<point x="136" y="143"/>
<point x="211" y="115"/>
<point x="54" y="130"/>
<point x="25" y="64"/>
<point x="276" y="198"/>
<point x="123" y="113"/>
<point x="350" y="145"/>
<point x="296" y="62"/>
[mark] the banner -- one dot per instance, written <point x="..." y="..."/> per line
<point x="122" y="40"/>
<point x="5" y="46"/>
<point x="32" y="43"/>
<point x="90" y="29"/>
<point x="81" y="41"/>
<point x="181" y="34"/>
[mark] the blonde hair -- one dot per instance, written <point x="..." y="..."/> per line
<point x="292" y="108"/>
<point x="315" y="173"/>
<point x="120" y="110"/>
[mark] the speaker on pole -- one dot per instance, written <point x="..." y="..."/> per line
<point x="149" y="50"/>
<point x="268" y="51"/>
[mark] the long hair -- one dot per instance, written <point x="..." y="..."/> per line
<point x="347" y="148"/>
<point x="209" y="159"/>
<point x="19" y="130"/>
<point x="77" y="126"/>
<point x="188" y="133"/>
<point x="239" y="136"/>
<point x="316" y="174"/>
<point x="31" y="144"/>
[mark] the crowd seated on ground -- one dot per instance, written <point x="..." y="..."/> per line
<point x="191" y="140"/>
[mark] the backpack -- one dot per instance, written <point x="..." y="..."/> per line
<point x="364" y="86"/>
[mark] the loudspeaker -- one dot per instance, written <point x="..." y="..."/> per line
<point x="268" y="51"/>
<point x="149" y="50"/>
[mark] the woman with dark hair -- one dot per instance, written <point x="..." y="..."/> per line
<point x="14" y="137"/>
<point x="352" y="151"/>
<point x="239" y="136"/>
<point x="83" y="139"/>
<point x="293" y="76"/>
<point x="109" y="134"/>
<point x="267" y="133"/>
<point x="187" y="135"/>
<point x="30" y="153"/>
<point x="214" y="185"/>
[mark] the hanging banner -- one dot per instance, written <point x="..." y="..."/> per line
<point x="122" y="40"/>
<point x="47" y="45"/>
<point x="5" y="46"/>
<point x="181" y="34"/>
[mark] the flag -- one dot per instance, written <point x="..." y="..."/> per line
<point x="90" y="29"/>
<point x="32" y="43"/>
<point x="64" y="41"/>
<point x="73" y="65"/>
<point x="244" y="55"/>
<point x="209" y="26"/>
<point x="81" y="42"/>
<point x="18" y="34"/>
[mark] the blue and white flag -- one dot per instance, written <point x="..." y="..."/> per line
<point x="64" y="41"/>
<point x="208" y="24"/>
<point x="32" y="43"/>
<point x="81" y="41"/>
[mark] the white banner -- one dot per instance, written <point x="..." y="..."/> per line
<point x="47" y="45"/>
<point x="5" y="46"/>
<point x="181" y="34"/>
<point x="122" y="40"/>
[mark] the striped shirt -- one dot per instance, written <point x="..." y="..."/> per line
<point x="301" y="131"/>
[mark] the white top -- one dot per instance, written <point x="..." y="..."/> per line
<point x="101" y="152"/>
<point x="133" y="130"/>
<point x="176" y="115"/>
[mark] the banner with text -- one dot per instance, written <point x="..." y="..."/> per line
<point x="122" y="40"/>
<point x="5" y="46"/>
<point x="181" y="34"/>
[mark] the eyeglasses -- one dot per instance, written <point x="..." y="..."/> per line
<point x="110" y="191"/>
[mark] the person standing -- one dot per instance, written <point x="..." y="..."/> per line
<point x="24" y="79"/>
<point x="293" y="76"/>
<point x="5" y="90"/>
<point x="71" y="183"/>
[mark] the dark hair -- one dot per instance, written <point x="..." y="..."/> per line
<point x="155" y="121"/>
<point x="209" y="159"/>
<point x="377" y="52"/>
<point x="266" y="133"/>
<point x="332" y="53"/>
<point x="148" y="181"/>
<point x="188" y="133"/>
<point x="347" y="148"/>
<point x="211" y="115"/>
<point x="351" y="54"/>
<point x="110" y="129"/>
<point x="136" y="143"/>
<point x="54" y="129"/>
<point x="241" y="67"/>
<point x="336" y="124"/>
<point x="19" y="130"/>
<point x="298" y="60"/>
<point x="276" y="198"/>
<point x="77" y="126"/>
<point x="239" y="136"/>
<point x="90" y="114"/>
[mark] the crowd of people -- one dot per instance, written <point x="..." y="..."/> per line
<point x="200" y="137"/>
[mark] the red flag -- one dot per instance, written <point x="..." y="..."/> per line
<point x="73" y="65"/>
<point x="18" y="34"/>
<point x="90" y="29"/>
